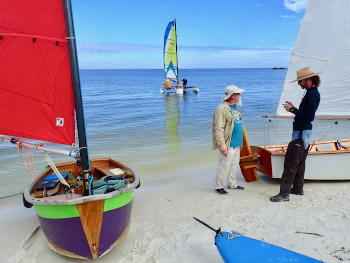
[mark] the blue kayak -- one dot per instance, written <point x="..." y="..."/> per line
<point x="234" y="248"/>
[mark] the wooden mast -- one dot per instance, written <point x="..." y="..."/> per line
<point x="79" y="112"/>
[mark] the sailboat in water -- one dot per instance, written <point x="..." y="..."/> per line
<point x="323" y="43"/>
<point x="84" y="205"/>
<point x="171" y="63"/>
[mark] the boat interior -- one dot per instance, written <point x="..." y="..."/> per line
<point x="330" y="147"/>
<point x="103" y="170"/>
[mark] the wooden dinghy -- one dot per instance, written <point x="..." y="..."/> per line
<point x="326" y="160"/>
<point x="84" y="206"/>
<point x="96" y="222"/>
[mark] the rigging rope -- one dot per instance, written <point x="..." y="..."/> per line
<point x="75" y="181"/>
<point x="268" y="131"/>
<point x="90" y="179"/>
<point x="335" y="123"/>
<point x="54" y="168"/>
<point x="323" y="136"/>
<point x="29" y="157"/>
<point x="8" y="196"/>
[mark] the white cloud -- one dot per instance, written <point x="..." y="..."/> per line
<point x="244" y="58"/>
<point x="249" y="53"/>
<point x="287" y="16"/>
<point x="88" y="47"/>
<point x="295" y="5"/>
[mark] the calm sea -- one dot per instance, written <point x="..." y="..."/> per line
<point x="129" y="120"/>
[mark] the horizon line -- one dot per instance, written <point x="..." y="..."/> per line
<point x="181" y="69"/>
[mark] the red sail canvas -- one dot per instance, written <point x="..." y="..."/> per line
<point x="36" y="97"/>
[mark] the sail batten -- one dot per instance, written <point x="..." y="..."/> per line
<point x="36" y="97"/>
<point x="323" y="43"/>
<point x="34" y="36"/>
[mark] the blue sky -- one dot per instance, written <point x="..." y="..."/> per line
<point x="128" y="34"/>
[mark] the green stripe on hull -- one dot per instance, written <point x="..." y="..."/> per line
<point x="118" y="201"/>
<point x="57" y="211"/>
<point x="69" y="211"/>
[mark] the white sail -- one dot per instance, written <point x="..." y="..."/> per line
<point x="323" y="43"/>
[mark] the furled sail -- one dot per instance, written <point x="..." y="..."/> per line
<point x="323" y="43"/>
<point x="170" y="51"/>
<point x="36" y="97"/>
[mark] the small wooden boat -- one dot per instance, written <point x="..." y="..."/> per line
<point x="84" y="206"/>
<point x="85" y="227"/>
<point x="327" y="160"/>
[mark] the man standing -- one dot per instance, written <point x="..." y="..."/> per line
<point x="292" y="181"/>
<point x="184" y="82"/>
<point x="227" y="136"/>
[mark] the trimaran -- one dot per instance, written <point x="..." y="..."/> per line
<point x="171" y="61"/>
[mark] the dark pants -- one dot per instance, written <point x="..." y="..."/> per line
<point x="294" y="167"/>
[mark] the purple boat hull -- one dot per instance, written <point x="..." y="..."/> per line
<point x="68" y="233"/>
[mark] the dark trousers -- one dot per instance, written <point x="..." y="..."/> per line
<point x="294" y="167"/>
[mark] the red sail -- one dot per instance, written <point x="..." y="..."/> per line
<point x="36" y="96"/>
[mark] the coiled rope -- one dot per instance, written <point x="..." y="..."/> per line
<point x="29" y="159"/>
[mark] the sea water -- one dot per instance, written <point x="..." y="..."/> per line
<point x="128" y="119"/>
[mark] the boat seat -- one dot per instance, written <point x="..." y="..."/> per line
<point x="326" y="147"/>
<point x="107" y="171"/>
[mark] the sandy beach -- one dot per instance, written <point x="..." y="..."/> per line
<point x="163" y="230"/>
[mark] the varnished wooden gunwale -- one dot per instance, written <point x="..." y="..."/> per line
<point x="281" y="149"/>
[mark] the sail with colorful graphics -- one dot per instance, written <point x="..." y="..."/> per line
<point x="171" y="62"/>
<point x="84" y="205"/>
<point x="170" y="52"/>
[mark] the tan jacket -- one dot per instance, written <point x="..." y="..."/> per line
<point x="222" y="127"/>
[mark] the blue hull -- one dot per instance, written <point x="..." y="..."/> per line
<point x="244" y="249"/>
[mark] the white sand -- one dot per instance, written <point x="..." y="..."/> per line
<point x="162" y="228"/>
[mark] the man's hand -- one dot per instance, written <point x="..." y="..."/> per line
<point x="288" y="105"/>
<point x="224" y="152"/>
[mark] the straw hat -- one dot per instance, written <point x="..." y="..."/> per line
<point x="305" y="73"/>
<point x="229" y="90"/>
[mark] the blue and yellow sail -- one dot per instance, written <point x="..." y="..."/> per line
<point x="170" y="51"/>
